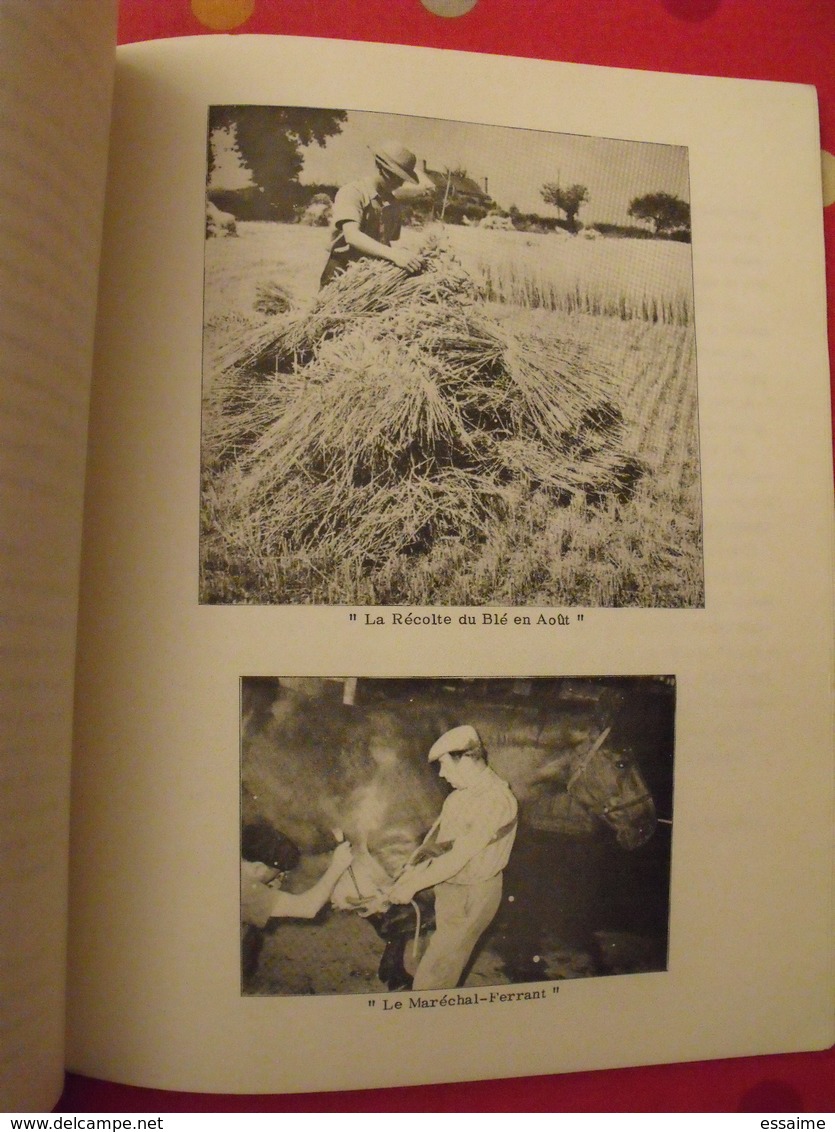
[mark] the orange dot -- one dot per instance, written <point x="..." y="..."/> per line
<point x="222" y="15"/>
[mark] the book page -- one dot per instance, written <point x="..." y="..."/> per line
<point x="668" y="738"/>
<point x="57" y="65"/>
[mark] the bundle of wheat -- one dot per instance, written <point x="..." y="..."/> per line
<point x="367" y="289"/>
<point x="397" y="413"/>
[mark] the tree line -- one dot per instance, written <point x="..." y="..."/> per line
<point x="267" y="143"/>
<point x="666" y="212"/>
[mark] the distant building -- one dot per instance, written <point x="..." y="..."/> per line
<point x="458" y="196"/>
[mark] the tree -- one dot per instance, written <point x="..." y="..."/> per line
<point x="568" y="198"/>
<point x="269" y="141"/>
<point x="666" y="212"/>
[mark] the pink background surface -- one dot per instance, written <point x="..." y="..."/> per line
<point x="784" y="40"/>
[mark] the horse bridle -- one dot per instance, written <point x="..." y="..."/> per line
<point x="606" y="812"/>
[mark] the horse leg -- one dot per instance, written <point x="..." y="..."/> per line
<point x="395" y="927"/>
<point x="392" y="969"/>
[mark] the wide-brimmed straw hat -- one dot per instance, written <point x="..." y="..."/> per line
<point x="399" y="160"/>
<point x="459" y="741"/>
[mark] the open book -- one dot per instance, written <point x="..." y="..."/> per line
<point x="554" y="486"/>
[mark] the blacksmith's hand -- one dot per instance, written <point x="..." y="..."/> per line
<point x="403" y="890"/>
<point x="371" y="905"/>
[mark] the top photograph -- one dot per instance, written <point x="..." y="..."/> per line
<point x="446" y="363"/>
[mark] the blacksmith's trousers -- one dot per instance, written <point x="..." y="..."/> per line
<point x="462" y="913"/>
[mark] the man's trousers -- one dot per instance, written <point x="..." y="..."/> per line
<point x="462" y="913"/>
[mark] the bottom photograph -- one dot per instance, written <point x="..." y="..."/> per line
<point x="428" y="834"/>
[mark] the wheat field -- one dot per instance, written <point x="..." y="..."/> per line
<point x="623" y="307"/>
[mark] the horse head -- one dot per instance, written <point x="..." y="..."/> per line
<point x="607" y="781"/>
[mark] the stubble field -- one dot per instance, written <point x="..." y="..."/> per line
<point x="624" y="306"/>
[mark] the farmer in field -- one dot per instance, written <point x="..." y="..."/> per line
<point x="366" y="216"/>
<point x="463" y="857"/>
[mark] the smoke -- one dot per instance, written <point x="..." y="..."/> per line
<point x="311" y="764"/>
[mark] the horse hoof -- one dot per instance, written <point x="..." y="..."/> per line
<point x="400" y="984"/>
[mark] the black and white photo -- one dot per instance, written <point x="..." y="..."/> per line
<point x="427" y="834"/>
<point x="446" y="363"/>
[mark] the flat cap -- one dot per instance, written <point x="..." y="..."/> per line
<point x="458" y="741"/>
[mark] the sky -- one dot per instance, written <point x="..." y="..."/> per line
<point x="516" y="162"/>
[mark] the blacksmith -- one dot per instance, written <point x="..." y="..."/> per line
<point x="265" y="857"/>
<point x="467" y="850"/>
<point x="366" y="216"/>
